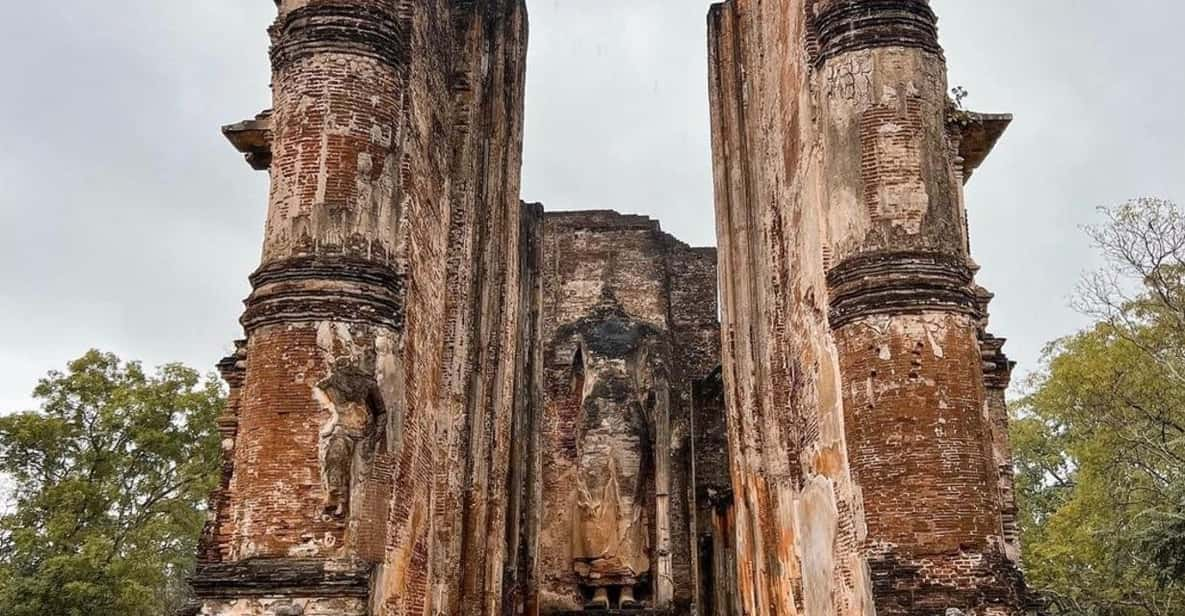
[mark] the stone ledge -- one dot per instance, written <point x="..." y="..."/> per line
<point x="253" y="138"/>
<point x="978" y="136"/>
<point x="282" y="577"/>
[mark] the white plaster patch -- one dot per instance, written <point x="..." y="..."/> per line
<point x="308" y="549"/>
<point x="935" y="347"/>
<point x="818" y="525"/>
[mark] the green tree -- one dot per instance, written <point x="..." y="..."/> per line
<point x="108" y="480"/>
<point x="1100" y="437"/>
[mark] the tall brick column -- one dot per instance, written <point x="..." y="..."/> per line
<point x="325" y="312"/>
<point x="321" y="403"/>
<point x="905" y="314"/>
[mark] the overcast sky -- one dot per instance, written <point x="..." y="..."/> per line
<point x="128" y="224"/>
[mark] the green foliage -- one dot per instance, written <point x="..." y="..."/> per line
<point x="109" y="478"/>
<point x="1100" y="439"/>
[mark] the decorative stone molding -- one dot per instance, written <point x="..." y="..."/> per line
<point x="333" y="27"/>
<point x="287" y="577"/>
<point x="900" y="283"/>
<point x="843" y="26"/>
<point x="234" y="371"/>
<point x="233" y="367"/>
<point x="321" y="288"/>
<point x="997" y="368"/>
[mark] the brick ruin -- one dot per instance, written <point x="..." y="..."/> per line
<point x="449" y="401"/>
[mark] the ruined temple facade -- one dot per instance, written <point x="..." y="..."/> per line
<point x="449" y="401"/>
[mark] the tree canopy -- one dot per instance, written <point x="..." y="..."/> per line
<point x="1100" y="435"/>
<point x="108" y="482"/>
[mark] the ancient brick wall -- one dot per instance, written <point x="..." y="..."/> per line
<point x="451" y="402"/>
<point x="798" y="516"/>
<point x="664" y="285"/>
<point x="485" y="314"/>
<point x="850" y="316"/>
<point x="694" y="318"/>
<point x="525" y="515"/>
<point x="714" y="511"/>
<point x="394" y="150"/>
<point x="327" y="294"/>
<point x="905" y="315"/>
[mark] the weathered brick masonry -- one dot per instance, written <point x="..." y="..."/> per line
<point x="451" y="402"/>
<point x="358" y="458"/>
<point x="850" y="316"/>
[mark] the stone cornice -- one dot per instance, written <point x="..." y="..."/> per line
<point x="254" y="139"/>
<point x="889" y="283"/>
<point x="843" y="26"/>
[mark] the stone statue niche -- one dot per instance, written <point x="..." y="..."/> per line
<point x="619" y="374"/>
<point x="351" y="398"/>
